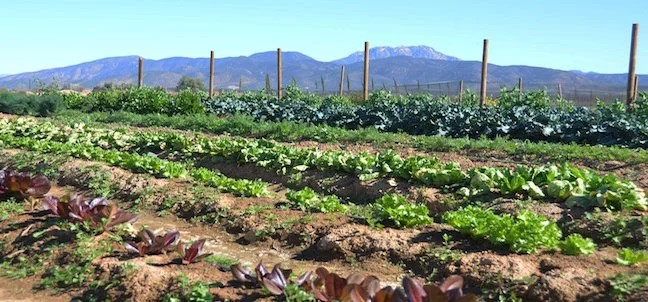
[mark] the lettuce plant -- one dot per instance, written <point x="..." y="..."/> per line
<point x="193" y="253"/>
<point x="275" y="281"/>
<point x="328" y="286"/>
<point x="30" y="187"/>
<point x="627" y="256"/>
<point x="575" y="244"/>
<point x="98" y="212"/>
<point x="308" y="200"/>
<point x="524" y="233"/>
<point x="394" y="209"/>
<point x="150" y="243"/>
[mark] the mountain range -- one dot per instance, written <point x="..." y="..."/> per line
<point x="411" y="65"/>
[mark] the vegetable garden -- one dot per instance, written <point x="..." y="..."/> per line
<point x="144" y="196"/>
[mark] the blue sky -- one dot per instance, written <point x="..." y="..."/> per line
<point x="583" y="35"/>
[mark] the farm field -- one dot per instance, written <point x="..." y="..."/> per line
<point x="499" y="218"/>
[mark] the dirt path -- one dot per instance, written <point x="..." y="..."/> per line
<point x="21" y="291"/>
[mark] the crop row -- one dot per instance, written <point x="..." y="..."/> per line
<point x="295" y="132"/>
<point x="606" y="125"/>
<point x="138" y="163"/>
<point x="574" y="186"/>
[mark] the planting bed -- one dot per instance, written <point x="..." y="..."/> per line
<point x="250" y="201"/>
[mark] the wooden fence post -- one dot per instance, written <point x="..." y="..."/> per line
<point x="560" y="95"/>
<point x="211" y="74"/>
<point x="484" y="75"/>
<point x="348" y="83"/>
<point x="279" y="75"/>
<point x="365" y="93"/>
<point x="268" y="88"/>
<point x="632" y="64"/>
<point x="520" y="90"/>
<point x="140" y="73"/>
<point x="342" y="81"/>
<point x="461" y="90"/>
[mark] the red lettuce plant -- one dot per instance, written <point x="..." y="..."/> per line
<point x="327" y="286"/>
<point x="274" y="281"/>
<point x="30" y="187"/>
<point x="192" y="253"/>
<point x="98" y="212"/>
<point x="150" y="243"/>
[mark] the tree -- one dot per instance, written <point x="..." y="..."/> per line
<point x="194" y="84"/>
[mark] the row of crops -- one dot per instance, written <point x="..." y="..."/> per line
<point x="531" y="116"/>
<point x="524" y="233"/>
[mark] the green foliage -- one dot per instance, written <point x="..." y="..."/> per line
<point x="575" y="244"/>
<point x="627" y="256"/>
<point x="143" y="100"/>
<point x="624" y="285"/>
<point x="22" y="266"/>
<point x="70" y="275"/>
<point x="9" y="208"/>
<point x="146" y="100"/>
<point x="187" y="102"/>
<point x="535" y="117"/>
<point x="221" y="260"/>
<point x="575" y="186"/>
<point x="113" y="86"/>
<point x="189" y="83"/>
<point x="295" y="293"/>
<point x="510" y="98"/>
<point x="138" y="163"/>
<point x="308" y="200"/>
<point x="35" y="104"/>
<point x="395" y="210"/>
<point x="190" y="291"/>
<point x="242" y="187"/>
<point x="292" y="132"/>
<point x="524" y="233"/>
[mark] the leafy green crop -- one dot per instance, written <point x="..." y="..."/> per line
<point x="575" y="186"/>
<point x="524" y="233"/>
<point x="624" y="285"/>
<point x="394" y="209"/>
<point x="575" y="244"/>
<point x="295" y="132"/>
<point x="138" y="163"/>
<point x="532" y="120"/>
<point x="308" y="200"/>
<point x="627" y="256"/>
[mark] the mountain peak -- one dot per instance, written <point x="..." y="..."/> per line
<point x="382" y="52"/>
<point x="271" y="56"/>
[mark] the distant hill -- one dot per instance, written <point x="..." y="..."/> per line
<point x="405" y="65"/>
<point x="382" y="52"/>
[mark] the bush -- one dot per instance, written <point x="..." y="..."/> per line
<point x="22" y="104"/>
<point x="146" y="100"/>
<point x="187" y="102"/>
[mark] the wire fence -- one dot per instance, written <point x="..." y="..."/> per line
<point x="579" y="95"/>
